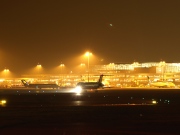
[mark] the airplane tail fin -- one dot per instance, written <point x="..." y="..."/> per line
<point x="148" y="80"/>
<point x="24" y="83"/>
<point x="100" y="79"/>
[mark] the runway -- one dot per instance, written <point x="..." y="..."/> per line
<point x="108" y="96"/>
<point x="108" y="111"/>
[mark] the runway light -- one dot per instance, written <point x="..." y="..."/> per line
<point x="3" y="102"/>
<point x="154" y="102"/>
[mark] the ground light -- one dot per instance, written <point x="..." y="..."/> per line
<point x="3" y="102"/>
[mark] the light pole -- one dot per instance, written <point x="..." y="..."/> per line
<point x="6" y="71"/>
<point x="61" y="68"/>
<point x="82" y="65"/>
<point x="88" y="58"/>
<point x="61" y="65"/>
<point x="38" y="68"/>
<point x="163" y="64"/>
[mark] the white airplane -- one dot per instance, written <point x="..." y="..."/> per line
<point x="161" y="84"/>
<point x="83" y="86"/>
<point x="27" y="85"/>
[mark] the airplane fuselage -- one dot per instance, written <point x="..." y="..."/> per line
<point x="39" y="86"/>
<point x="43" y="86"/>
<point x="90" y="85"/>
<point x="162" y="84"/>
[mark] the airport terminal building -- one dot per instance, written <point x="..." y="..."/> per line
<point x="138" y="74"/>
<point x="125" y="74"/>
<point x="116" y="74"/>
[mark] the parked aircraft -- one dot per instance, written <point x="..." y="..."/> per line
<point x="26" y="84"/>
<point x="161" y="84"/>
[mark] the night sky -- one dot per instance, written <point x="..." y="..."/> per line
<point x="55" y="31"/>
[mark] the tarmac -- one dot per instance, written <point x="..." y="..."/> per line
<point x="121" y="111"/>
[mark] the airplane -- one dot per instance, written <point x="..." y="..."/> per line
<point x="27" y="85"/>
<point x="90" y="85"/>
<point x="161" y="84"/>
